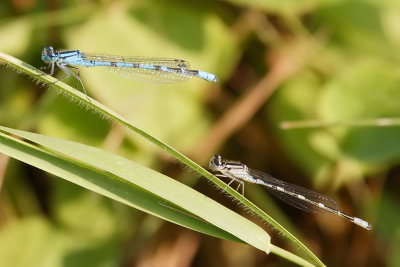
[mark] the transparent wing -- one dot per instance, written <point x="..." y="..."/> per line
<point x="166" y="62"/>
<point x="147" y="75"/>
<point x="141" y="74"/>
<point x="293" y="200"/>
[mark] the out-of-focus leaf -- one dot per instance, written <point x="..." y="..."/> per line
<point x="35" y="242"/>
<point x="391" y="20"/>
<point x="14" y="35"/>
<point x="357" y="25"/>
<point x="394" y="256"/>
<point x="94" y="217"/>
<point x="282" y="7"/>
<point x="296" y="101"/>
<point x="388" y="218"/>
<point x="69" y="121"/>
<point x="32" y="241"/>
<point x="365" y="90"/>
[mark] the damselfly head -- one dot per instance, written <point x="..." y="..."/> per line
<point x="215" y="163"/>
<point x="48" y="54"/>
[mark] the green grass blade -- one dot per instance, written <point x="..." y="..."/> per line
<point x="132" y="184"/>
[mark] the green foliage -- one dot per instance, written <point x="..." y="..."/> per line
<point x="342" y="104"/>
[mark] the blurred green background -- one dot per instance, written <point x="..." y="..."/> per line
<point x="334" y="62"/>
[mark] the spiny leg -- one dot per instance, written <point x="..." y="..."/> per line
<point x="78" y="74"/>
<point x="241" y="183"/>
<point x="52" y="69"/>
<point x="231" y="181"/>
<point x="66" y="71"/>
<point x="237" y="188"/>
<point x="69" y="72"/>
<point x="225" y="176"/>
<point x="228" y="184"/>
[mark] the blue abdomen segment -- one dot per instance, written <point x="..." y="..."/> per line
<point x="181" y="71"/>
<point x="207" y="76"/>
